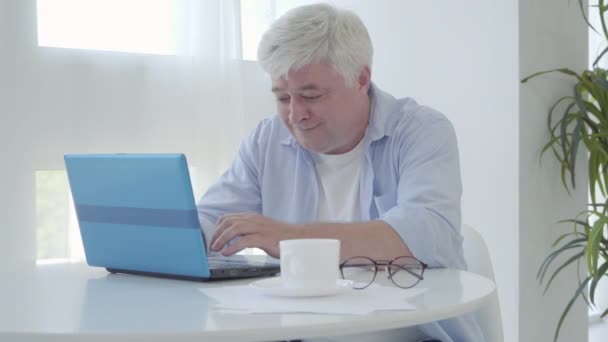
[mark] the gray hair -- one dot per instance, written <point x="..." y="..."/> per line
<point x="313" y="34"/>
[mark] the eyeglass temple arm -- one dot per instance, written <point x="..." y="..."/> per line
<point x="397" y="268"/>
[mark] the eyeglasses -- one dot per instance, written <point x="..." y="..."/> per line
<point x="404" y="272"/>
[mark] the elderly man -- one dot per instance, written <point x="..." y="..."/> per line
<point x="342" y="160"/>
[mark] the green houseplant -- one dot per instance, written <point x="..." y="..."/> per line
<point x="575" y="120"/>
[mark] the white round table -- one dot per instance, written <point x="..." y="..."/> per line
<point x="75" y="302"/>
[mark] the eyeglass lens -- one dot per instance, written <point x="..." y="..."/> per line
<point x="360" y="270"/>
<point x="406" y="272"/>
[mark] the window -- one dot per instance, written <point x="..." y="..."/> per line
<point x="57" y="233"/>
<point x="137" y="26"/>
<point x="256" y="16"/>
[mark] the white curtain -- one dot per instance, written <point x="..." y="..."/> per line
<point x="55" y="101"/>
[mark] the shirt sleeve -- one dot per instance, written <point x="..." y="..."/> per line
<point x="236" y="191"/>
<point x="427" y="215"/>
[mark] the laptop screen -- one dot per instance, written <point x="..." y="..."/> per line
<point x="137" y="212"/>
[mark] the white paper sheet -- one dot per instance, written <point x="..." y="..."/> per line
<point x="245" y="299"/>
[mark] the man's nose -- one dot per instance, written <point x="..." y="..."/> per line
<point x="298" y="110"/>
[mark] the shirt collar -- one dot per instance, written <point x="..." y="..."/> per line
<point x="380" y="110"/>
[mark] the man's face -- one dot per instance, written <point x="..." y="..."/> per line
<point x="320" y="111"/>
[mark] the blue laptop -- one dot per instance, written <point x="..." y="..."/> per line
<point x="137" y="215"/>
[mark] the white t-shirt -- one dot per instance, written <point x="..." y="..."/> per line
<point x="339" y="178"/>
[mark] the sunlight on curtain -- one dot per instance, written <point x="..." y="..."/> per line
<point x="256" y="16"/>
<point x="169" y="81"/>
<point x="141" y="26"/>
<point x="93" y="76"/>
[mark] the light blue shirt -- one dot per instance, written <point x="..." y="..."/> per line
<point x="410" y="179"/>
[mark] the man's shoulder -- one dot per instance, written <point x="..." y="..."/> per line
<point x="408" y="116"/>
<point x="399" y="116"/>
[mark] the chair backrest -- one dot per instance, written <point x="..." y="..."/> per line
<point x="478" y="260"/>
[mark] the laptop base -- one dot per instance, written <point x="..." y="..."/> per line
<point x="216" y="274"/>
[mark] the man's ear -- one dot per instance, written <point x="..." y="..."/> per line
<point x="364" y="79"/>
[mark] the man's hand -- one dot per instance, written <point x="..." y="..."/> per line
<point x="254" y="231"/>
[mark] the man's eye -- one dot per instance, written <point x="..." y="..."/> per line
<point x="311" y="98"/>
<point x="283" y="99"/>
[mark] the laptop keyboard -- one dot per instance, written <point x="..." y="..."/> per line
<point x="227" y="264"/>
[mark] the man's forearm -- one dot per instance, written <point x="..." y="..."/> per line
<point x="374" y="239"/>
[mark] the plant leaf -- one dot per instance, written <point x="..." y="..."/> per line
<point x="599" y="57"/>
<point x="564" y="71"/>
<point x="600" y="272"/>
<point x="563" y="236"/>
<point x="591" y="250"/>
<point x="582" y="7"/>
<point x="604" y="313"/>
<point x="559" y="269"/>
<point x="581" y="287"/>
<point x="549" y="259"/>
<point x="565" y="144"/>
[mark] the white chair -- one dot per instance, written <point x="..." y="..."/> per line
<point x="478" y="260"/>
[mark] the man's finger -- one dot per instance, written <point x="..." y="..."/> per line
<point x="230" y="230"/>
<point x="249" y="241"/>
<point x="219" y="230"/>
<point x="223" y="223"/>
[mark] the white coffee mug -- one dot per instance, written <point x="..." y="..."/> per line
<point x="311" y="264"/>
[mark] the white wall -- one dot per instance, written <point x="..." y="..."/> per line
<point x="552" y="34"/>
<point x="459" y="57"/>
<point x="454" y="66"/>
<point x="16" y="186"/>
